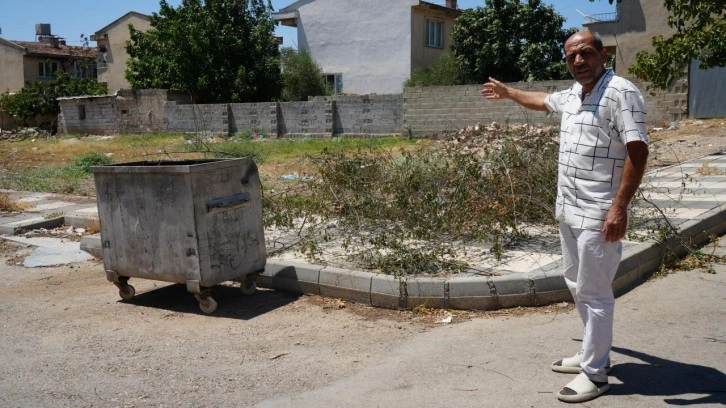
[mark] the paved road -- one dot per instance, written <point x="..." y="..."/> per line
<point x="670" y="349"/>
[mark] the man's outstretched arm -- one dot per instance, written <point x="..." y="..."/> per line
<point x="531" y="100"/>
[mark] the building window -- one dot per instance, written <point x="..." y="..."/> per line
<point x="47" y="68"/>
<point x="86" y="69"/>
<point x="434" y="33"/>
<point x="333" y="83"/>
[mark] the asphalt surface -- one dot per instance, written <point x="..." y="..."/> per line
<point x="669" y="349"/>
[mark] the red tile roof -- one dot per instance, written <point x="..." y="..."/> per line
<point x="44" y="49"/>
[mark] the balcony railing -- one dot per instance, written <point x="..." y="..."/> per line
<point x="602" y="18"/>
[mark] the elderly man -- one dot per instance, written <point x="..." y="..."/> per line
<point x="603" y="154"/>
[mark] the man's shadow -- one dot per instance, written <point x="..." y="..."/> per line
<point x="658" y="376"/>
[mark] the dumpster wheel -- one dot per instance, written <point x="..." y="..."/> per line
<point x="248" y="285"/>
<point x="127" y="292"/>
<point x="206" y="303"/>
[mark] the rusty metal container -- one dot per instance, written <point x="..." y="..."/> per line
<point x="196" y="222"/>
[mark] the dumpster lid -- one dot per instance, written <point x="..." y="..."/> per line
<point x="170" y="166"/>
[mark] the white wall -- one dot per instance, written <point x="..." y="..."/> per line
<point x="368" y="41"/>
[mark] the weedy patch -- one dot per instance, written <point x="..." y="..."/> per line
<point x="708" y="170"/>
<point x="7" y="203"/>
<point x="409" y="212"/>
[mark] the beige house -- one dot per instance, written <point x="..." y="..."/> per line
<point x="372" y="46"/>
<point x="111" y="43"/>
<point x="24" y="62"/>
<point x="630" y="29"/>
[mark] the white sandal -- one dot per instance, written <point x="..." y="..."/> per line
<point x="582" y="389"/>
<point x="571" y="365"/>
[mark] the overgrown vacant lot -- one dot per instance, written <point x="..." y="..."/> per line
<point x="392" y="204"/>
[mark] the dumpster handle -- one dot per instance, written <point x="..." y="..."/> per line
<point x="250" y="171"/>
<point x="227" y="203"/>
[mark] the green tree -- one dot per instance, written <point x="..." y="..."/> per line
<point x="40" y="97"/>
<point x="700" y="34"/>
<point x="511" y="40"/>
<point x="301" y="75"/>
<point x="445" y="71"/>
<point x="217" y="50"/>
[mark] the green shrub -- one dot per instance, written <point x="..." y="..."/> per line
<point x="88" y="160"/>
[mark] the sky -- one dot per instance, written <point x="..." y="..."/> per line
<point x="70" y="19"/>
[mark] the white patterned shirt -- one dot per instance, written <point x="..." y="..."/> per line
<point x="593" y="135"/>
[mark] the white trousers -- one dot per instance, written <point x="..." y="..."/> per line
<point x="590" y="264"/>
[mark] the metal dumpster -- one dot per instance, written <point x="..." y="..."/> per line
<point x="197" y="222"/>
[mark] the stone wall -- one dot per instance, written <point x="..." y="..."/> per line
<point x="419" y="111"/>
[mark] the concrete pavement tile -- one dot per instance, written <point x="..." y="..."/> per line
<point x="52" y="256"/>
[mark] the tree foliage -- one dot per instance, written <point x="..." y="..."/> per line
<point x="301" y="75"/>
<point x="700" y="34"/>
<point x="217" y="50"/>
<point x="40" y="97"/>
<point x="446" y="71"/>
<point x="511" y="40"/>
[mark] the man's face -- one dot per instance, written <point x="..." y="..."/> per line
<point x="585" y="63"/>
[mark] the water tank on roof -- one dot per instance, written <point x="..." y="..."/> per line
<point x="42" y="29"/>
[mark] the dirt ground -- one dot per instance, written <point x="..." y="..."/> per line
<point x="689" y="139"/>
<point x="67" y="340"/>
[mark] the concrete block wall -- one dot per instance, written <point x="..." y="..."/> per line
<point x="665" y="106"/>
<point x="188" y="118"/>
<point x="418" y="111"/>
<point x="141" y="111"/>
<point x="253" y="117"/>
<point x="367" y="114"/>
<point x="441" y="109"/>
<point x="6" y="121"/>
<point x="92" y="115"/>
<point x="306" y="118"/>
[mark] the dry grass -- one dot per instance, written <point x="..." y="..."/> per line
<point x="7" y="203"/>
